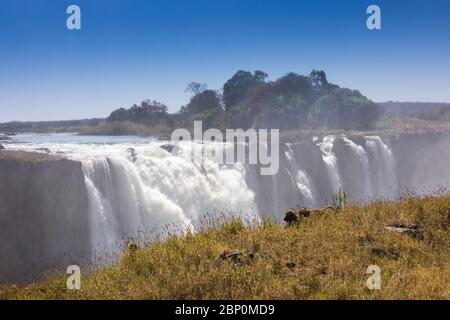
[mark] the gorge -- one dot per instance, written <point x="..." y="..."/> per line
<point x="64" y="202"/>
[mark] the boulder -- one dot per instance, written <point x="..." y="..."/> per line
<point x="2" y="147"/>
<point x="412" y="230"/>
<point x="294" y="215"/>
<point x="237" y="256"/>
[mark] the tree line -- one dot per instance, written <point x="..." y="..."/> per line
<point x="249" y="100"/>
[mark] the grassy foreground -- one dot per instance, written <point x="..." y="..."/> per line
<point x="325" y="256"/>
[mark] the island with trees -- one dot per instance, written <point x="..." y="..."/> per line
<point x="249" y="100"/>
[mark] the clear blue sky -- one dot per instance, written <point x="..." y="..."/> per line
<point x="131" y="50"/>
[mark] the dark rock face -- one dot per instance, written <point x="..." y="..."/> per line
<point x="43" y="215"/>
<point x="168" y="147"/>
<point x="4" y="137"/>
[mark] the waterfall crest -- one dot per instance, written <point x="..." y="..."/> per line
<point x="138" y="189"/>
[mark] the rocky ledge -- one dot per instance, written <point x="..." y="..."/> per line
<point x="43" y="214"/>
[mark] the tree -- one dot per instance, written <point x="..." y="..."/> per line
<point x="148" y="111"/>
<point x="344" y="109"/>
<point x="318" y="79"/>
<point x="235" y="89"/>
<point x="153" y="106"/>
<point x="320" y="83"/>
<point x="294" y="84"/>
<point x="196" y="87"/>
<point x="207" y="100"/>
<point x="260" y="76"/>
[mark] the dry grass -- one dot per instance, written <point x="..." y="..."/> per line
<point x="331" y="252"/>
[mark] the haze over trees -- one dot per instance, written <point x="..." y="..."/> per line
<point x="248" y="100"/>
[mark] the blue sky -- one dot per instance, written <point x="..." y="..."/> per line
<point x="127" y="51"/>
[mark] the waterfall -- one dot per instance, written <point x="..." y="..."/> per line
<point x="326" y="146"/>
<point x="157" y="189"/>
<point x="361" y="154"/>
<point x="383" y="176"/>
<point x="300" y="177"/>
<point x="110" y="194"/>
<point x="104" y="235"/>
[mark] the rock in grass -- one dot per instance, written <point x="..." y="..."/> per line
<point x="132" y="247"/>
<point x="291" y="265"/>
<point x="412" y="231"/>
<point x="237" y="256"/>
<point x="294" y="215"/>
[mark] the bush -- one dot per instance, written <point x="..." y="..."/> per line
<point x="344" y="109"/>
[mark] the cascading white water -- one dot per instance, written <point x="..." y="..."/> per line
<point x="300" y="177"/>
<point x="157" y="189"/>
<point x="135" y="194"/>
<point x="326" y="146"/>
<point x="114" y="195"/>
<point x="130" y="198"/>
<point x="361" y="155"/>
<point x="384" y="180"/>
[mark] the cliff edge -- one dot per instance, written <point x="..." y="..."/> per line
<point x="43" y="214"/>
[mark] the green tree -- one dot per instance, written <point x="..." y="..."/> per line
<point x="235" y="89"/>
<point x="196" y="87"/>
<point x="293" y="84"/>
<point x="207" y="100"/>
<point x="344" y="109"/>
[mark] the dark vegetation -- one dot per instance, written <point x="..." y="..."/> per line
<point x="249" y="100"/>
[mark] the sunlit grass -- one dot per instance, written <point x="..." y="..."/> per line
<point x="325" y="256"/>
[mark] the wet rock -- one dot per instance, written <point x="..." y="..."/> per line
<point x="4" y="137"/>
<point x="132" y="154"/>
<point x="167" y="147"/>
<point x="2" y="147"/>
